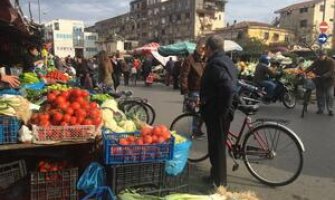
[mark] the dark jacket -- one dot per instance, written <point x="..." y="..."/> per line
<point x="325" y="69"/>
<point x="218" y="86"/>
<point x="262" y="73"/>
<point x="190" y="74"/>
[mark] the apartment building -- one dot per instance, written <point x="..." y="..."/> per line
<point x="304" y="19"/>
<point x="69" y="38"/>
<point x="164" y="21"/>
<point x="266" y="33"/>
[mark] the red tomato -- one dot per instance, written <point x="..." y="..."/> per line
<point x="51" y="97"/>
<point x="80" y="113"/>
<point x="69" y="111"/>
<point x="84" y="94"/>
<point x="76" y="93"/>
<point x="88" y="122"/>
<point x="80" y="100"/>
<point x="97" y="121"/>
<point x="60" y="100"/>
<point x="66" y="118"/>
<point x="154" y="139"/>
<point x="44" y="123"/>
<point x="156" y="131"/>
<point x="64" y="106"/>
<point x="139" y="141"/>
<point x="131" y="139"/>
<point x="85" y="105"/>
<point x="163" y="128"/>
<point x="160" y="140"/>
<point x="73" y="121"/>
<point x="65" y="94"/>
<point x="57" y="117"/>
<point x="64" y="123"/>
<point x="44" y="117"/>
<point x="75" y="106"/>
<point x="80" y="120"/>
<point x="147" y="139"/>
<point x="123" y="141"/>
<point x="146" y="131"/>
<point x="93" y="105"/>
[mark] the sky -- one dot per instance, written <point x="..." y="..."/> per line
<point x="91" y="11"/>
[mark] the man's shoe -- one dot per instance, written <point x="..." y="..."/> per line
<point x="331" y="113"/>
<point x="320" y="112"/>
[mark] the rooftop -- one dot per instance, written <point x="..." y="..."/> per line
<point x="299" y="5"/>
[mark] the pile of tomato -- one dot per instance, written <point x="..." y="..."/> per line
<point x="149" y="135"/>
<point x="68" y="108"/>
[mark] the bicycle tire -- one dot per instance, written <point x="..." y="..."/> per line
<point x="151" y="113"/>
<point x="307" y="96"/>
<point x="287" y="96"/>
<point x="137" y="109"/>
<point x="179" y="126"/>
<point x="248" y="149"/>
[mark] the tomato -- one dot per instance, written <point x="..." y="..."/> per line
<point x="163" y="128"/>
<point x="85" y="105"/>
<point x="80" y="113"/>
<point x="80" y="100"/>
<point x="66" y="118"/>
<point x="76" y="93"/>
<point x="154" y="139"/>
<point x="44" y="123"/>
<point x="88" y="122"/>
<point x="63" y="123"/>
<point x="69" y="111"/>
<point x="65" y="94"/>
<point x="123" y="141"/>
<point x="156" y="131"/>
<point x="131" y="139"/>
<point x="147" y="139"/>
<point x="139" y="141"/>
<point x="84" y="94"/>
<point x="44" y="117"/>
<point x="94" y="113"/>
<point x="97" y="121"/>
<point x="51" y="97"/>
<point x="60" y="100"/>
<point x="73" y="121"/>
<point x="75" y="106"/>
<point x="80" y="120"/>
<point x="146" y="131"/>
<point x="166" y="135"/>
<point x="64" y="106"/>
<point x="160" y="140"/>
<point x="93" y="105"/>
<point x="57" y="116"/>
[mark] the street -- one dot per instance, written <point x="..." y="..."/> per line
<point x="317" y="180"/>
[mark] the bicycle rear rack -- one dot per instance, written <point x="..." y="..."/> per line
<point x="279" y="121"/>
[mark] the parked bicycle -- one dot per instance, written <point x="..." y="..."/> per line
<point x="271" y="151"/>
<point x="132" y="105"/>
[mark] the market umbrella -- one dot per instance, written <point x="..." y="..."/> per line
<point x="183" y="48"/>
<point x="179" y="48"/>
<point x="146" y="49"/>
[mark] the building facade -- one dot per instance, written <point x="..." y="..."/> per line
<point x="304" y="19"/>
<point x="69" y="38"/>
<point x="165" y="21"/>
<point x="266" y="33"/>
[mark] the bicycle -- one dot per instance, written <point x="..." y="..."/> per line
<point x="308" y="87"/>
<point x="132" y="106"/>
<point x="259" y="147"/>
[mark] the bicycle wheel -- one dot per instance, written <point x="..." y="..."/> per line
<point x="289" y="99"/>
<point x="135" y="109"/>
<point x="273" y="154"/>
<point x="193" y="128"/>
<point x="151" y="113"/>
<point x="307" y="96"/>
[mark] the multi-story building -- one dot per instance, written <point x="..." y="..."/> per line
<point x="68" y="38"/>
<point x="304" y="19"/>
<point x="266" y="33"/>
<point x="165" y="21"/>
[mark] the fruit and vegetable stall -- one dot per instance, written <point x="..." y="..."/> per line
<point x="56" y="140"/>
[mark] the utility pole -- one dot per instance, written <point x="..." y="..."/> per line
<point x="324" y="10"/>
<point x="39" y="12"/>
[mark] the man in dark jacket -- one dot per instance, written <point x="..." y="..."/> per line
<point x="324" y="69"/>
<point x="218" y="89"/>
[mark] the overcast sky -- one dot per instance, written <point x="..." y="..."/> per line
<point x="91" y="11"/>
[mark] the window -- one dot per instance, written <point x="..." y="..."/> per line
<point x="163" y="31"/>
<point x="91" y="37"/>
<point x="187" y="15"/>
<point x="266" y="36"/>
<point x="303" y="10"/>
<point x="303" y="23"/>
<point x="275" y="37"/>
<point x="56" y="24"/>
<point x="163" y="21"/>
<point x="322" y="8"/>
<point x="331" y="20"/>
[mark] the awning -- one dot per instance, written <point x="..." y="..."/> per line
<point x="146" y="49"/>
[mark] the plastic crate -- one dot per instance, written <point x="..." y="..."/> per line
<point x="12" y="172"/>
<point x="114" y="153"/>
<point x="143" y="177"/>
<point x="64" y="133"/>
<point x="9" y="129"/>
<point x="179" y="183"/>
<point x="59" y="185"/>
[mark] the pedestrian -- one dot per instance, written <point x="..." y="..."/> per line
<point x="324" y="69"/>
<point x="133" y="75"/>
<point x="126" y="66"/>
<point x="81" y="70"/>
<point x="105" y="69"/>
<point x="176" y="73"/>
<point x="32" y="59"/>
<point x="190" y="76"/>
<point x="217" y="92"/>
<point x="147" y="67"/>
<point x="168" y="69"/>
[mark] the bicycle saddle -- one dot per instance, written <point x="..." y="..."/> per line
<point x="249" y="109"/>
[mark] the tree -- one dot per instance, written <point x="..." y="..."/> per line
<point x="253" y="46"/>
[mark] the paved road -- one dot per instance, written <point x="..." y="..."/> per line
<point x="317" y="181"/>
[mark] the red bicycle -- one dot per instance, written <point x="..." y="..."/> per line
<point x="271" y="151"/>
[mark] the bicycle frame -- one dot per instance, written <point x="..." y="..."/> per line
<point x="238" y="137"/>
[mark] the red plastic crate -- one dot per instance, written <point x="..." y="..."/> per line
<point x="59" y="185"/>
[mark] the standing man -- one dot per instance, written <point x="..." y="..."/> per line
<point x="324" y="69"/>
<point x="169" y="68"/>
<point x="218" y="89"/>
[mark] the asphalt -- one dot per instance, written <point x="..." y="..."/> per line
<point x="317" y="132"/>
